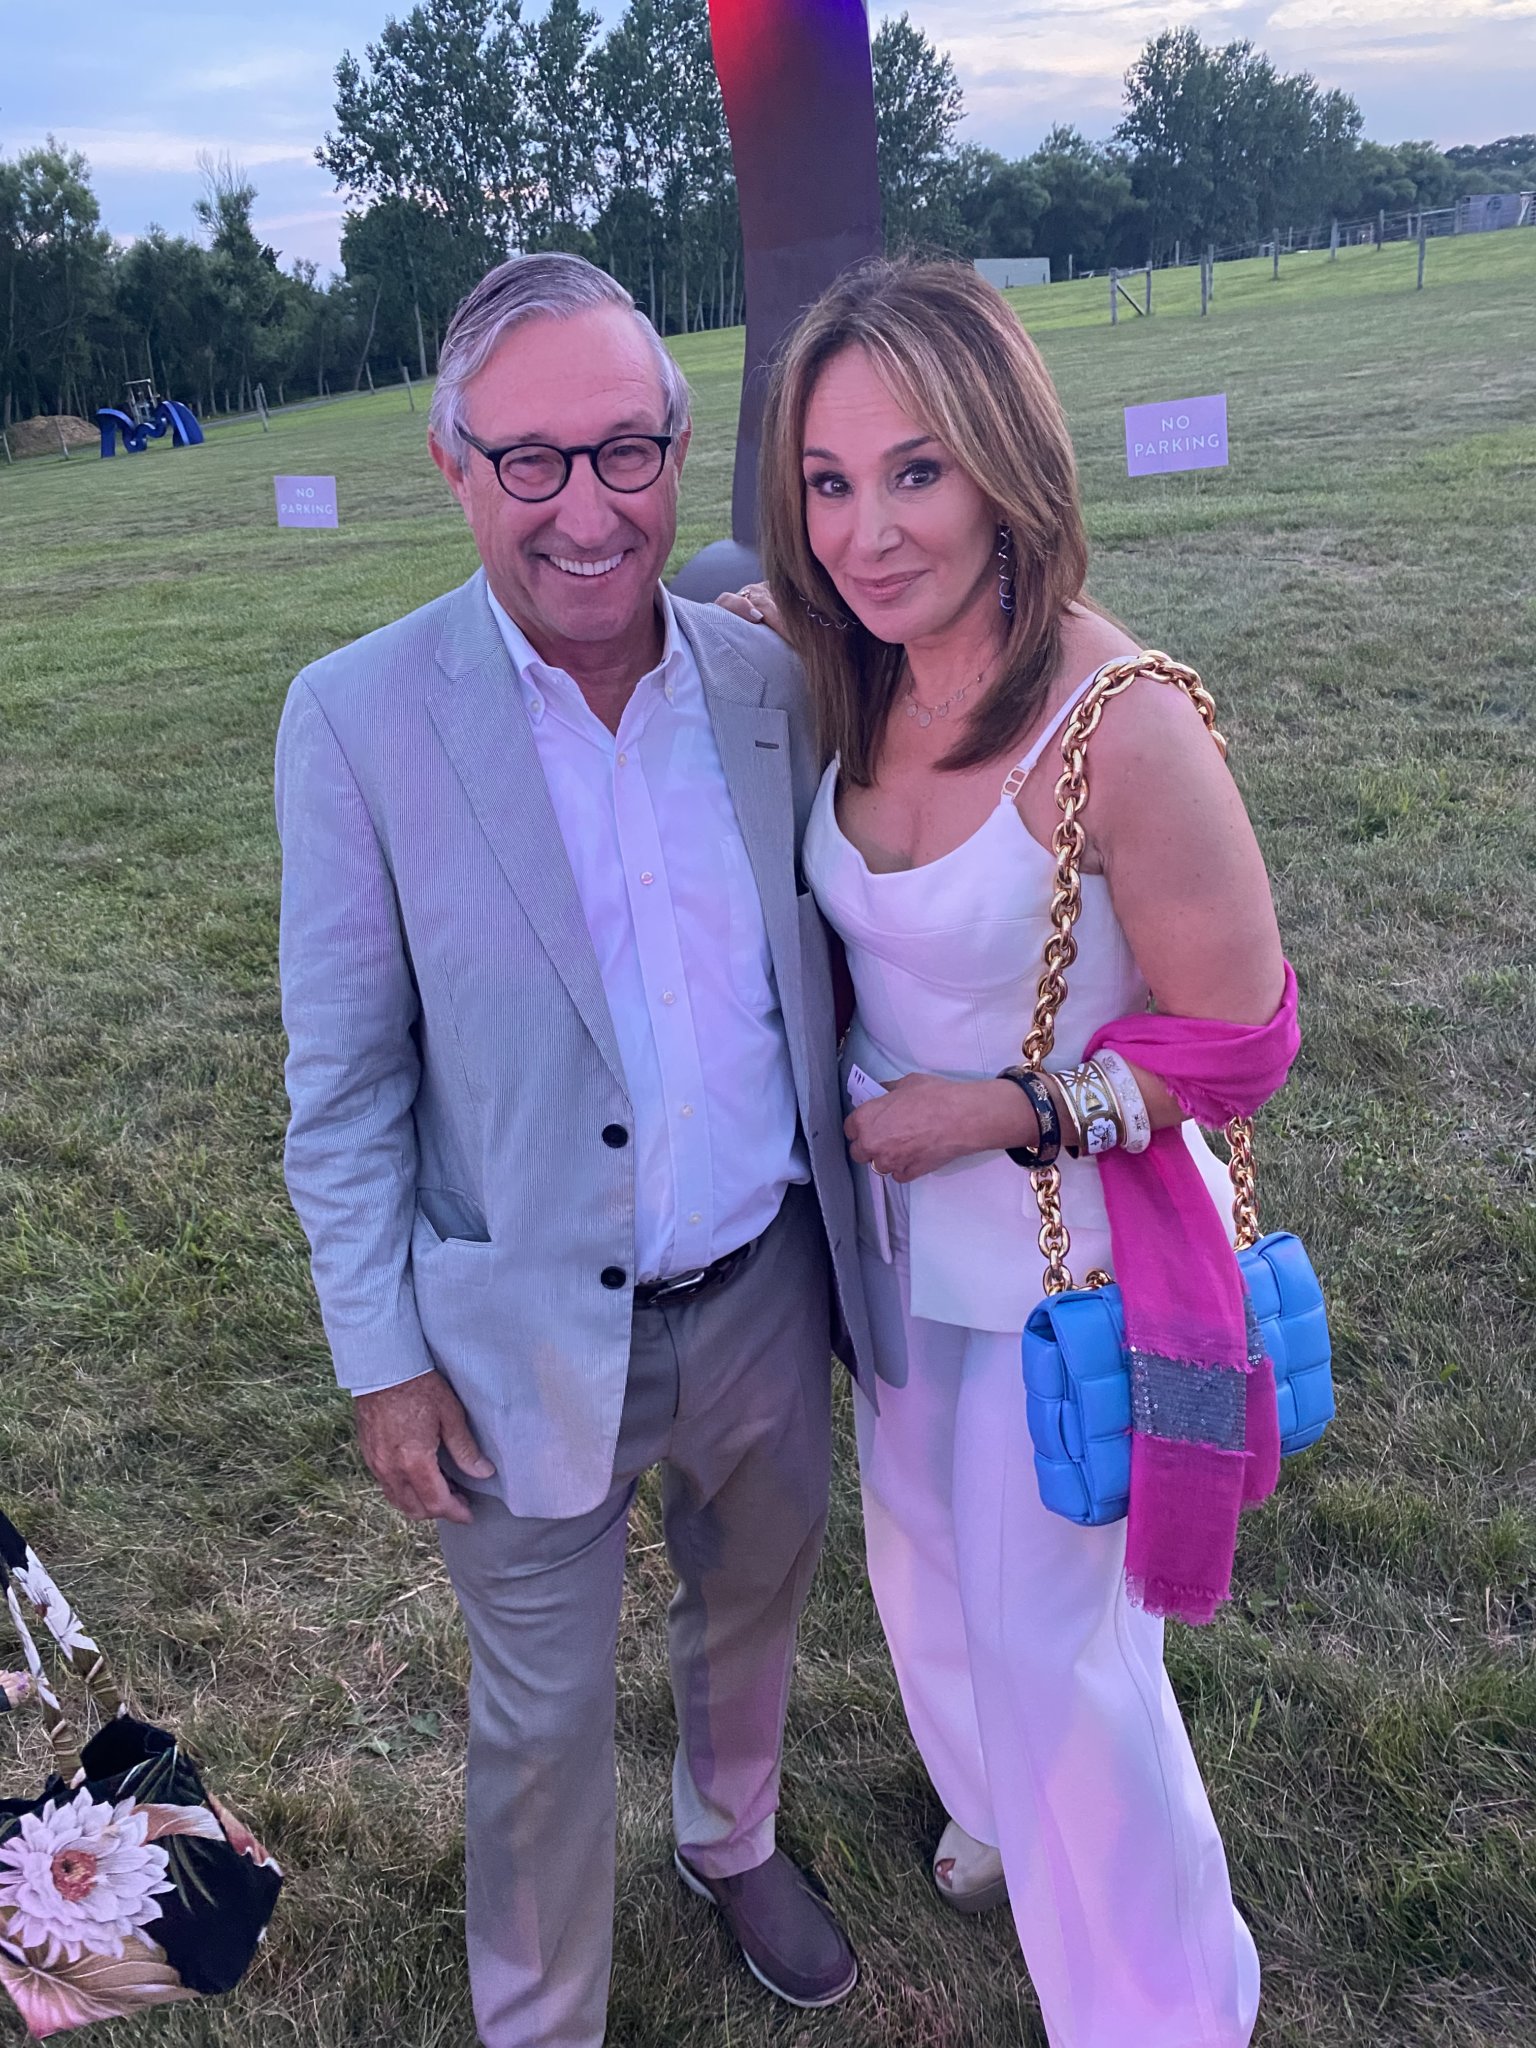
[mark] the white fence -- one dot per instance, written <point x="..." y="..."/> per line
<point x="1471" y="215"/>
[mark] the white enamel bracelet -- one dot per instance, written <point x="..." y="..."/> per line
<point x="1133" y="1107"/>
<point x="1095" y="1110"/>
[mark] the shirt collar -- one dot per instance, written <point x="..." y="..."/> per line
<point x="536" y="679"/>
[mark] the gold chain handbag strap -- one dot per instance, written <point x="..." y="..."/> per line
<point x="1067" y="843"/>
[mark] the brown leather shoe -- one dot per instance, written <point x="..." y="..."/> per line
<point x="784" y="1928"/>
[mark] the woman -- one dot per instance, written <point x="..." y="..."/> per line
<point x="926" y="557"/>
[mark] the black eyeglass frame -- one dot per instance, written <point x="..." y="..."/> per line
<point x="591" y="449"/>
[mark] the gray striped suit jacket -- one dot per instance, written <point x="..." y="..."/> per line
<point x="452" y="1062"/>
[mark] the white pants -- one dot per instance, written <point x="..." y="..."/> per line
<point x="1037" y="1697"/>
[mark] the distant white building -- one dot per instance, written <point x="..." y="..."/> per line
<point x="1007" y="271"/>
<point x="1480" y="211"/>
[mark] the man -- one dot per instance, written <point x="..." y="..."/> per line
<point x="566" y="1134"/>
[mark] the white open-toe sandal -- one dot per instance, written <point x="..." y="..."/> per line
<point x="968" y="1874"/>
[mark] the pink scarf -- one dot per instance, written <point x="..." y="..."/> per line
<point x="1206" y="1436"/>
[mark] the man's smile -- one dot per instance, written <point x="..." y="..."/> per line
<point x="569" y="566"/>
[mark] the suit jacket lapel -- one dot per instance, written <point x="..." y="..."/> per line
<point x="478" y="711"/>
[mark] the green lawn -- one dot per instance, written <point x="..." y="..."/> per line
<point x="1360" y="591"/>
<point x="1308" y="276"/>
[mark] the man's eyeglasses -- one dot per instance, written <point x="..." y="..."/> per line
<point x="533" y="471"/>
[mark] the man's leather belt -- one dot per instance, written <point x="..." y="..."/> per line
<point x="680" y="1287"/>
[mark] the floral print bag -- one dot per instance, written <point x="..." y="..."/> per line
<point x="125" y="1884"/>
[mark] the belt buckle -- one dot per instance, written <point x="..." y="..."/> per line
<point x="680" y="1283"/>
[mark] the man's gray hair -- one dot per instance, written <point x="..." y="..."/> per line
<point x="551" y="283"/>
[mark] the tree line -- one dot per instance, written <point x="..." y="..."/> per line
<point x="469" y="129"/>
<point x="1215" y="147"/>
<point x="204" y="319"/>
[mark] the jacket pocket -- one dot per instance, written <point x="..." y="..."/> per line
<point x="450" y="1238"/>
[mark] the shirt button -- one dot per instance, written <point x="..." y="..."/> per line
<point x="647" y="878"/>
<point x="613" y="1276"/>
<point x="615" y="1135"/>
<point x="695" y="1217"/>
<point x="667" y="997"/>
<point x="623" y="760"/>
<point x="536" y="707"/>
<point x="686" y="1110"/>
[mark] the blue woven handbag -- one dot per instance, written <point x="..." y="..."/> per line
<point x="1079" y="1387"/>
<point x="1076" y="1377"/>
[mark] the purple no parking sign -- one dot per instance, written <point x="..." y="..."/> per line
<point x="1184" y="433"/>
<point x="305" y="500"/>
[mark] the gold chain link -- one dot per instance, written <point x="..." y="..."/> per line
<point x="1067" y="843"/>
<point x="1245" y="1186"/>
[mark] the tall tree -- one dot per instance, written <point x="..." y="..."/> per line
<point x="57" y="280"/>
<point x="244" y="273"/>
<point x="1091" y="218"/>
<point x="1224" y="146"/>
<point x="406" y="270"/>
<point x="918" y="106"/>
<point x="665" y="157"/>
<point x="1507" y="165"/>
<point x="439" y="117"/>
<point x="168" y="307"/>
<point x="694" y="152"/>
<point x="13" y="286"/>
<point x="630" y="79"/>
<point x="1436" y="181"/>
<point x="562" y="116"/>
<point x="994" y="204"/>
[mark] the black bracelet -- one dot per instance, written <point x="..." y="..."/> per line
<point x="1048" y="1149"/>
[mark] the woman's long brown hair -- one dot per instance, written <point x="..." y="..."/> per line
<point x="953" y="355"/>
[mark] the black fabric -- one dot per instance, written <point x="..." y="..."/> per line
<point x="210" y="1925"/>
<point x="222" y="1886"/>
<point x="13" y="1545"/>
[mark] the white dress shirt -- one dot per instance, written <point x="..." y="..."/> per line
<point x="672" y="906"/>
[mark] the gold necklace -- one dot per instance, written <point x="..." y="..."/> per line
<point x="925" y="714"/>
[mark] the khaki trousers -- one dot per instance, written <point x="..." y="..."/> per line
<point x="730" y="1394"/>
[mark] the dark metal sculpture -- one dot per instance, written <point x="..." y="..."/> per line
<point x="800" y="102"/>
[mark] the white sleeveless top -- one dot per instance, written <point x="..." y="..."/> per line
<point x="946" y="962"/>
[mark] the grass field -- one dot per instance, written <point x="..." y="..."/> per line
<point x="1360" y="591"/>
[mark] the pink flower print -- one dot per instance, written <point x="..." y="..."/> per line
<point x="240" y="1836"/>
<point x="94" y="1988"/>
<point x="79" y="1879"/>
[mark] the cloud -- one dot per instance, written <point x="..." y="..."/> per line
<point x="1066" y="59"/>
<point x="1358" y="14"/>
<point x="328" y="216"/>
<point x="162" y="149"/>
<point x="261" y="68"/>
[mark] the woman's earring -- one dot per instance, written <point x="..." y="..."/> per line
<point x="1005" y="574"/>
<point x="819" y="619"/>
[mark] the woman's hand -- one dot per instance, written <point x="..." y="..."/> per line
<point x="922" y="1123"/>
<point x="753" y="602"/>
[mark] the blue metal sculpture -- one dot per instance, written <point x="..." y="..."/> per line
<point x="146" y="419"/>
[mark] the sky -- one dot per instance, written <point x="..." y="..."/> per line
<point x="141" y="90"/>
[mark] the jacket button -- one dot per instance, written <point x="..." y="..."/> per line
<point x="612" y="1276"/>
<point x="615" y="1135"/>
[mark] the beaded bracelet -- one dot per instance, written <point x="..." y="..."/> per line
<point x="1047" y="1149"/>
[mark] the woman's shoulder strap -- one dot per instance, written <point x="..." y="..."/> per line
<point x="1018" y="774"/>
